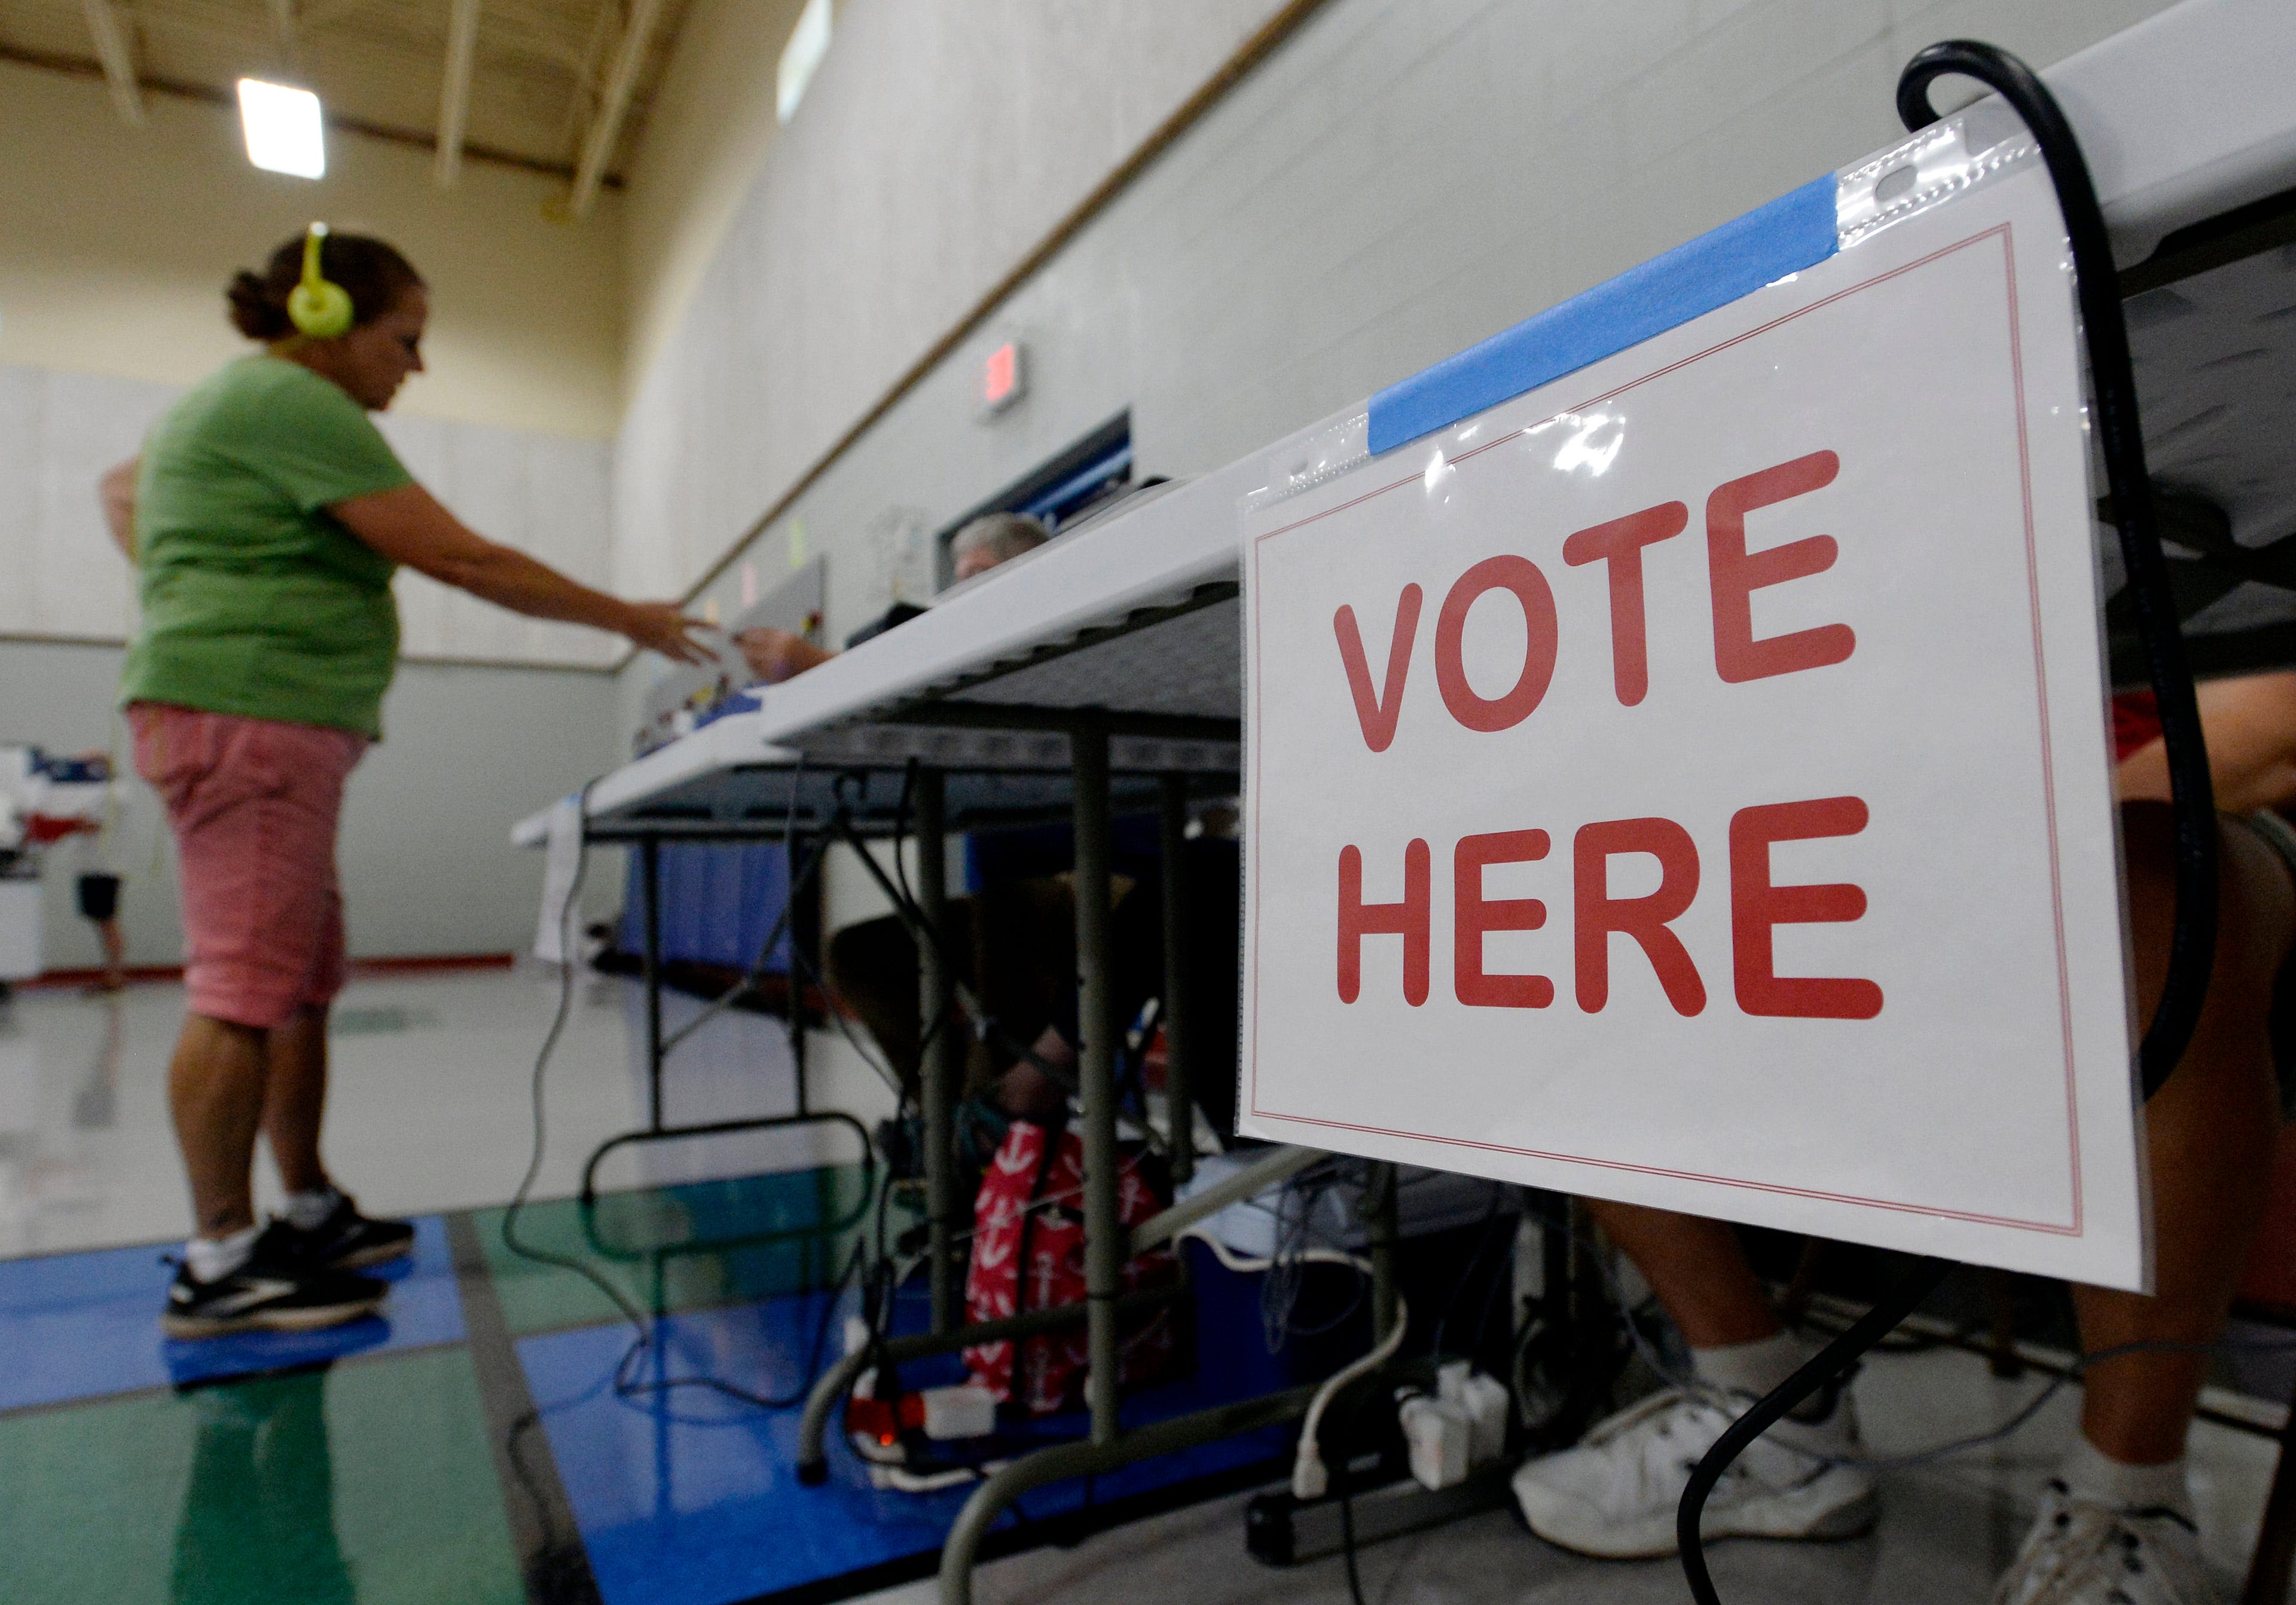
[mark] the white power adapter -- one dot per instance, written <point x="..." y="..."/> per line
<point x="1483" y="1401"/>
<point x="1437" y="1436"/>
<point x="963" y="1411"/>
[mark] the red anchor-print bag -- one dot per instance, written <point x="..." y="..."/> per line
<point x="1028" y="1253"/>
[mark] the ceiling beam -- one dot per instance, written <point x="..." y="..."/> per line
<point x="613" y="103"/>
<point x="455" y="91"/>
<point x="208" y="95"/>
<point x="119" y="61"/>
<point x="581" y="102"/>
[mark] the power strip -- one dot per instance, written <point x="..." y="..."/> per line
<point x="1282" y="1530"/>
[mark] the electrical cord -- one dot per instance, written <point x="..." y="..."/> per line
<point x="909" y="772"/>
<point x="907" y="906"/>
<point x="1502" y="1279"/>
<point x="1294" y="1251"/>
<point x="1348" y="1543"/>
<point x="2112" y="380"/>
<point x="1293" y="1243"/>
<point x="646" y="1332"/>
<point x="832" y="1001"/>
<point x="885" y="1072"/>
<point x="1309" y="1478"/>
<point x="1697" y="1386"/>
<point x="898" y="891"/>
<point x="922" y="931"/>
<point x="758" y="972"/>
<point x="1294" y="1247"/>
<point x="1350" y="1563"/>
<point x="1248" y="1265"/>
<point x="1491" y="1218"/>
<point x="2120" y="436"/>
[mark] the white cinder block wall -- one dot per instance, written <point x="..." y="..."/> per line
<point x="936" y="145"/>
<point x="490" y="713"/>
<point x="1400" y="179"/>
<point x="545" y="493"/>
<point x="58" y="432"/>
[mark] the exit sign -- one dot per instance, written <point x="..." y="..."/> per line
<point x="1004" y="377"/>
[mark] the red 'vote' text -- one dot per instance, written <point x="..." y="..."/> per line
<point x="1734" y="574"/>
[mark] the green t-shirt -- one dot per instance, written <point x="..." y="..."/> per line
<point x="256" y="600"/>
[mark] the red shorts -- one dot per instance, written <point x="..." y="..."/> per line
<point x="253" y="804"/>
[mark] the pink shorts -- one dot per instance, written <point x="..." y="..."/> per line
<point x="253" y="804"/>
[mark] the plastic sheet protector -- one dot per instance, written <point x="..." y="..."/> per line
<point x="1677" y="765"/>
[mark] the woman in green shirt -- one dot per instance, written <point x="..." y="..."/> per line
<point x="265" y="516"/>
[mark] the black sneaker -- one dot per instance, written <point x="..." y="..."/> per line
<point x="266" y="1294"/>
<point x="346" y="1239"/>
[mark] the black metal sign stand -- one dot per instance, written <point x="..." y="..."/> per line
<point x="2192" y="949"/>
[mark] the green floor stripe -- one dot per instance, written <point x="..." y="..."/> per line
<point x="692" y="1246"/>
<point x="371" y="1482"/>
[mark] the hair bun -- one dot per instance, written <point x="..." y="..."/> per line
<point x="254" y="312"/>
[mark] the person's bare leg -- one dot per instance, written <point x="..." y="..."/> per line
<point x="215" y="1089"/>
<point x="1615" y="1493"/>
<point x="1698" y="1269"/>
<point x="2210" y="1132"/>
<point x="295" y="1104"/>
<point x="115" y="953"/>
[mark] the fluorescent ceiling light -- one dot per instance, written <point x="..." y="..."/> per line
<point x="284" y="130"/>
<point x="808" y="42"/>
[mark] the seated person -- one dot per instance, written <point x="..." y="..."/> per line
<point x="1023" y="977"/>
<point x="1013" y="943"/>
<point x="2117" y="1522"/>
<point x="775" y="656"/>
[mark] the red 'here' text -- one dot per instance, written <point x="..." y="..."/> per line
<point x="1757" y="906"/>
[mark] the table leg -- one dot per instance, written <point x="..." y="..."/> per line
<point x="805" y="958"/>
<point x="1104" y="1236"/>
<point x="1179" y="1104"/>
<point x="649" y="877"/>
<point x="1384" y="1232"/>
<point x="941" y="1067"/>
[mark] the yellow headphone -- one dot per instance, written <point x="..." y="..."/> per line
<point x="318" y="307"/>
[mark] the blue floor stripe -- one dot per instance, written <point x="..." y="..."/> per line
<point x="696" y="1501"/>
<point x="83" y="1326"/>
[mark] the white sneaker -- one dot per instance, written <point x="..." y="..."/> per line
<point x="1614" y="1496"/>
<point x="2082" y="1553"/>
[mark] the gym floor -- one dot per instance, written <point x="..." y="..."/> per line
<point x="471" y="1446"/>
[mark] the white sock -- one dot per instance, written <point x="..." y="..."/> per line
<point x="2092" y="1474"/>
<point x="1754" y="1368"/>
<point x="213" y="1258"/>
<point x="308" y="1211"/>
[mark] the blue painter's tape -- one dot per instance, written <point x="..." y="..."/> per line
<point x="1794" y="232"/>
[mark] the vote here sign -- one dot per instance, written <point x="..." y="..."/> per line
<point x="1687" y="783"/>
